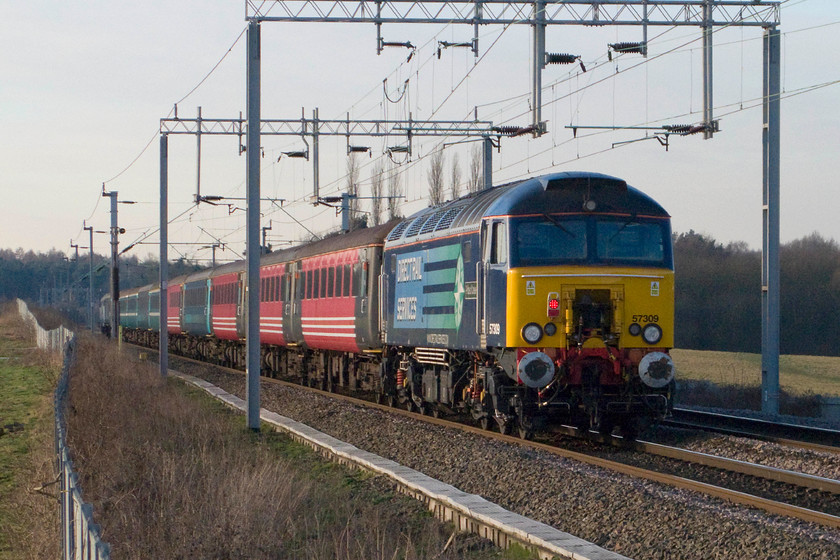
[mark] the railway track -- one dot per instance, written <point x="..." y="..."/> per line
<point x="830" y="487"/>
<point x="793" y="435"/>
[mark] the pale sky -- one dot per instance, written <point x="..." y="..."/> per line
<point x="83" y="87"/>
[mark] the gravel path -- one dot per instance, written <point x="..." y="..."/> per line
<point x="639" y="519"/>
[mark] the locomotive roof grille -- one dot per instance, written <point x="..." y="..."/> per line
<point x="448" y="218"/>
<point x="431" y="224"/>
<point x="415" y="226"/>
<point x="398" y="231"/>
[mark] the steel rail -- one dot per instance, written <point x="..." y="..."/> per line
<point x="733" y="496"/>
<point x="743" y="467"/>
<point x="806" y="437"/>
<point x="715" y="461"/>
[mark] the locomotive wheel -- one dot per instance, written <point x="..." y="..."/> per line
<point x="408" y="404"/>
<point x="484" y="421"/>
<point x="504" y="426"/>
<point x="605" y="427"/>
<point x="380" y="398"/>
<point x="629" y="429"/>
<point x="391" y="401"/>
<point x="525" y="433"/>
<point x="436" y="412"/>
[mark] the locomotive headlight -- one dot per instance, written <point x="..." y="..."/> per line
<point x="550" y="329"/>
<point x="532" y="333"/>
<point x="652" y="333"/>
<point x="635" y="329"/>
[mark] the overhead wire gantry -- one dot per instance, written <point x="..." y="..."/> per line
<point x="539" y="14"/>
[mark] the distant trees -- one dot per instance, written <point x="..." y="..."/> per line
<point x="352" y="189"/>
<point x="377" y="186"/>
<point x="810" y="296"/>
<point x="476" y="179"/>
<point x="455" y="179"/>
<point x="435" y="177"/>
<point x="718" y="295"/>
<point x="53" y="279"/>
<point x="394" y="191"/>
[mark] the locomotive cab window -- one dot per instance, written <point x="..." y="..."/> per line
<point x="495" y="244"/>
<point x="630" y="241"/>
<point x="549" y="240"/>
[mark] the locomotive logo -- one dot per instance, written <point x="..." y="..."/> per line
<point x="429" y="289"/>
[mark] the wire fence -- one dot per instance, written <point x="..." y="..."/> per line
<point x="80" y="536"/>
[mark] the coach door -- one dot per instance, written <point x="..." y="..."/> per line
<point x="241" y="307"/>
<point x="492" y="277"/>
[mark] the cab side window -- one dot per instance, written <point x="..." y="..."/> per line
<point x="498" y="243"/>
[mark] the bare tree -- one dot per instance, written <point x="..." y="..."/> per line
<point x="476" y="180"/>
<point x="353" y="189"/>
<point x="376" y="192"/>
<point x="394" y="191"/>
<point x="455" y="188"/>
<point x="435" y="177"/>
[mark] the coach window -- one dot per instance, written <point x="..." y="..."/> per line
<point x="347" y="277"/>
<point x="323" y="282"/>
<point x="331" y="282"/>
<point x="466" y="251"/>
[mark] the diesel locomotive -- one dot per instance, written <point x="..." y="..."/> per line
<point x="544" y="301"/>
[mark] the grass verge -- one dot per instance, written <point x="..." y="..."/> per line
<point x="733" y="380"/>
<point x="172" y="473"/>
<point x="28" y="503"/>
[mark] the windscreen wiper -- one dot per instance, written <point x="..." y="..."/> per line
<point x="559" y="225"/>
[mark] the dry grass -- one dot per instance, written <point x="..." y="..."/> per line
<point x="171" y="474"/>
<point x="798" y="375"/>
<point x="733" y="380"/>
<point x="28" y="513"/>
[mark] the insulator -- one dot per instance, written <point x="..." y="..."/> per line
<point x="296" y="154"/>
<point x="678" y="128"/>
<point x="560" y="58"/>
<point x="632" y="48"/>
<point x="506" y="129"/>
<point x="357" y="149"/>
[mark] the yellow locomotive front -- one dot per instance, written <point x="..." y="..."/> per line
<point x="590" y="310"/>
